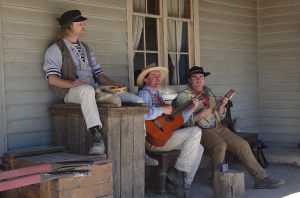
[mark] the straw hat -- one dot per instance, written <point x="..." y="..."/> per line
<point x="146" y="70"/>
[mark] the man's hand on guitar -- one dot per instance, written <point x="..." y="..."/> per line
<point x="205" y="112"/>
<point x="224" y="101"/>
<point x="221" y="109"/>
<point x="195" y="104"/>
<point x="167" y="110"/>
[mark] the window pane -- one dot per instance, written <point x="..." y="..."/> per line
<point x="141" y="42"/>
<point x="173" y="8"/>
<point x="151" y="34"/>
<point x="138" y="62"/>
<point x="137" y="33"/>
<point x="185" y="9"/>
<point x="183" y="68"/>
<point x="151" y="58"/>
<point x="172" y="66"/>
<point x="183" y="36"/>
<point x="139" y="6"/>
<point x="153" y="6"/>
<point x="172" y="36"/>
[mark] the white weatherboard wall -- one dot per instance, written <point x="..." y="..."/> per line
<point x="27" y="28"/>
<point x="2" y="103"/>
<point x="279" y="58"/>
<point x="251" y="46"/>
<point x="228" y="49"/>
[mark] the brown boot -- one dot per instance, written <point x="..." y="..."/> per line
<point x="269" y="183"/>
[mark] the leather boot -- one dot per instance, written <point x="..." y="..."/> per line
<point x="98" y="146"/>
<point x="269" y="183"/>
<point x="176" y="176"/>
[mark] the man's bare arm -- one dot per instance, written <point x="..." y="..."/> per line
<point x="62" y="83"/>
<point x="221" y="109"/>
<point x="104" y="80"/>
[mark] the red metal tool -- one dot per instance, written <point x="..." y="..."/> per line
<point x="36" y="174"/>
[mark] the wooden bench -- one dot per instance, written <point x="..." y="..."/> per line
<point x="166" y="159"/>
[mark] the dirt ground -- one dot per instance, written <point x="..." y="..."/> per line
<point x="202" y="185"/>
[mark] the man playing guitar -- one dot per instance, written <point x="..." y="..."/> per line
<point x="215" y="137"/>
<point x="186" y="139"/>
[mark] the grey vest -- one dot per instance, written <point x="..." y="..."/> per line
<point x="68" y="69"/>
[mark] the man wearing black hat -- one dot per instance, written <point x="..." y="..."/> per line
<point x="215" y="137"/>
<point x="72" y="71"/>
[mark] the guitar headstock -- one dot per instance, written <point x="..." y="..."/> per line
<point x="229" y="93"/>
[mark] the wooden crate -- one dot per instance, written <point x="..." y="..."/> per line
<point x="124" y="139"/>
<point x="98" y="184"/>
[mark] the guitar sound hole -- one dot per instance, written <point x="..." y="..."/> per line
<point x="169" y="118"/>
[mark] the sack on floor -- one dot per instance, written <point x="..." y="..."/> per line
<point x="107" y="98"/>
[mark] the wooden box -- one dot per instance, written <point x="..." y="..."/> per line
<point x="124" y="136"/>
<point x="98" y="184"/>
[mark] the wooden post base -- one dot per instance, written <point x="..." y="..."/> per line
<point x="229" y="184"/>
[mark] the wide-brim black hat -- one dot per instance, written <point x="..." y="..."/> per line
<point x="69" y="17"/>
<point x="196" y="70"/>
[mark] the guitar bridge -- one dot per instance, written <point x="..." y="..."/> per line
<point x="158" y="125"/>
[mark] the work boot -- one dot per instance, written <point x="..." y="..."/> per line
<point x="187" y="186"/>
<point x="150" y="161"/>
<point x="182" y="193"/>
<point x="179" y="192"/>
<point x="269" y="183"/>
<point x="98" y="146"/>
<point x="176" y="176"/>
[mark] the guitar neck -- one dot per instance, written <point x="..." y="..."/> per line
<point x="228" y="95"/>
<point x="181" y="108"/>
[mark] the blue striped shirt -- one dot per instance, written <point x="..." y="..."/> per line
<point x="53" y="60"/>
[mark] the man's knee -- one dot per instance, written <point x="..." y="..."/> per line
<point x="243" y="147"/>
<point x="221" y="146"/>
<point x="196" y="132"/>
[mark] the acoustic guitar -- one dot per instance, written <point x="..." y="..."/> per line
<point x="160" y="130"/>
<point x="210" y="120"/>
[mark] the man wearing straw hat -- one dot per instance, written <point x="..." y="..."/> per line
<point x="186" y="139"/>
<point x="73" y="72"/>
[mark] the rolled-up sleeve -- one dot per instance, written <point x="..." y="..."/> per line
<point x="223" y="115"/>
<point x="187" y="114"/>
<point x="96" y="66"/>
<point x="53" y="61"/>
<point x="154" y="112"/>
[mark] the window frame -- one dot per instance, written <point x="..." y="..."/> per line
<point x="194" y="42"/>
